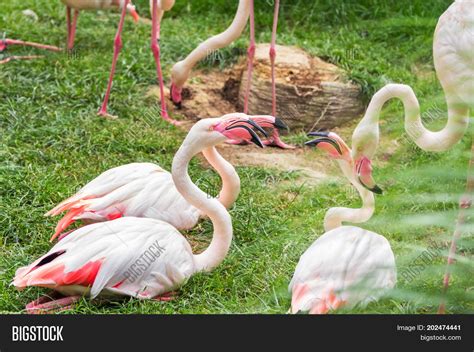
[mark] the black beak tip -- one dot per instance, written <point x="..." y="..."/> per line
<point x="318" y="134"/>
<point x="257" y="142"/>
<point x="376" y="189"/>
<point x="280" y="124"/>
<point x="312" y="143"/>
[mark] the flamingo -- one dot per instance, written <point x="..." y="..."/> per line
<point x="347" y="265"/>
<point x="109" y="259"/>
<point x="453" y="52"/>
<point x="147" y="190"/>
<point x="182" y="69"/>
<point x="157" y="8"/>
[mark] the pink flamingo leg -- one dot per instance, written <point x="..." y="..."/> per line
<point x="273" y="55"/>
<point x="155" y="47"/>
<point x="12" y="58"/>
<point x="274" y="140"/>
<point x="51" y="304"/>
<point x="117" y="47"/>
<point x="465" y="205"/>
<point x="72" y="28"/>
<point x="166" y="297"/>
<point x="68" y="24"/>
<point x="250" y="56"/>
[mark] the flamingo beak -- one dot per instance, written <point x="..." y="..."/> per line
<point x="133" y="12"/>
<point x="364" y="175"/>
<point x="280" y="124"/>
<point x="323" y="137"/>
<point x="242" y="129"/>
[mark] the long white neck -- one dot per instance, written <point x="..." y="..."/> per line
<point x="458" y="118"/>
<point x="221" y="220"/>
<point x="230" y="179"/>
<point x="335" y="216"/>
<point x="181" y="70"/>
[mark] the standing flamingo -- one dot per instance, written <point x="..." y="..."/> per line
<point x="107" y="258"/>
<point x="347" y="265"/>
<point x="453" y="51"/>
<point x="147" y="190"/>
<point x="182" y="69"/>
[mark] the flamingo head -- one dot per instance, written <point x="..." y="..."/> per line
<point x="233" y="126"/>
<point x="337" y="149"/>
<point x="363" y="171"/>
<point x="268" y="121"/>
<point x="175" y="94"/>
<point x="332" y="144"/>
<point x="133" y="12"/>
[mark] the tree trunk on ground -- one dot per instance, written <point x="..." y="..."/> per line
<point x="311" y="94"/>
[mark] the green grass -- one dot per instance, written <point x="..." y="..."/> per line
<point x="52" y="143"/>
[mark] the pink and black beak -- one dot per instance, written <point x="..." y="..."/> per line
<point x="268" y="121"/>
<point x="242" y="129"/>
<point x="363" y="169"/>
<point x="324" y="137"/>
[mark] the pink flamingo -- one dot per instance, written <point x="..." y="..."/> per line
<point x="182" y="69"/>
<point x="347" y="265"/>
<point x="102" y="259"/>
<point x="147" y="190"/>
<point x="453" y="53"/>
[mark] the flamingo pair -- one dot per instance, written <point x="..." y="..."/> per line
<point x="96" y="259"/>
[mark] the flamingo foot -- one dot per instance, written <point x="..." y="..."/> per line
<point x="170" y="120"/>
<point x="166" y="297"/>
<point x="51" y="304"/>
<point x="106" y="115"/>
<point x="175" y="95"/>
<point x="275" y="141"/>
<point x="236" y="142"/>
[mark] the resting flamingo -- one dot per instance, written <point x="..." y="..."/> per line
<point x="347" y="265"/>
<point x="102" y="259"/>
<point x="453" y="52"/>
<point x="147" y="190"/>
<point x="182" y="69"/>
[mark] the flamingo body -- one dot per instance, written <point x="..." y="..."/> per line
<point x="130" y="256"/>
<point x="344" y="267"/>
<point x="136" y="189"/>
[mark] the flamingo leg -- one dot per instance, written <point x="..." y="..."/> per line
<point x="155" y="48"/>
<point x="51" y="304"/>
<point x="274" y="140"/>
<point x="68" y="24"/>
<point x="117" y="48"/>
<point x="273" y="54"/>
<point x="465" y="205"/>
<point x="166" y="297"/>
<point x="250" y="57"/>
<point x="72" y="28"/>
<point x="12" y="58"/>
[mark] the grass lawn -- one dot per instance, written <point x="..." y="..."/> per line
<point x="52" y="143"/>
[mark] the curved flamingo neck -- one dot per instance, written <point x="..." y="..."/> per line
<point x="337" y="215"/>
<point x="458" y="118"/>
<point x="230" y="179"/>
<point x="221" y="220"/>
<point x="181" y="70"/>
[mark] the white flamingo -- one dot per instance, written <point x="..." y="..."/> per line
<point x="143" y="258"/>
<point x="182" y="69"/>
<point x="147" y="190"/>
<point x="347" y="265"/>
<point x="453" y="52"/>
